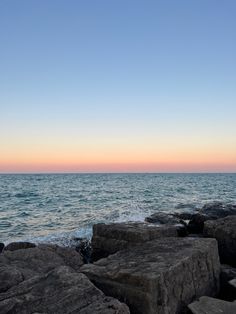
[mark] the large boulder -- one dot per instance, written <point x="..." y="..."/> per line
<point x="207" y="305"/>
<point x="61" y="291"/>
<point x="224" y="230"/>
<point x="159" y="276"/>
<point x="17" y="266"/>
<point x="110" y="238"/>
<point x="13" y="246"/>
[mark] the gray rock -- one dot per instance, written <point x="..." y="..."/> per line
<point x="61" y="291"/>
<point x="196" y="223"/>
<point x="1" y="247"/>
<point x="160" y="276"/>
<point x="110" y="238"/>
<point x="233" y="283"/>
<point x="224" y="230"/>
<point x="19" y="265"/>
<point x="207" y="305"/>
<point x="217" y="210"/>
<point x="13" y="246"/>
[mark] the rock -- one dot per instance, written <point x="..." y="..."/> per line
<point x="233" y="283"/>
<point x="13" y="246"/>
<point x="217" y="210"/>
<point x="207" y="305"/>
<point x="110" y="238"/>
<point x="196" y="223"/>
<point x="60" y="291"/>
<point x="1" y="247"/>
<point x="227" y="273"/>
<point x="159" y="276"/>
<point x="224" y="230"/>
<point x="162" y="218"/>
<point x="85" y="249"/>
<point x="19" y="265"/>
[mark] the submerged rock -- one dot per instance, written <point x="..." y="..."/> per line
<point x="110" y="238"/>
<point x="159" y="276"/>
<point x="224" y="230"/>
<point x="207" y="305"/>
<point x="13" y="246"/>
<point x="17" y="266"/>
<point x="61" y="291"/>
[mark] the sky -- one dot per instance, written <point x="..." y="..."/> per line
<point x="117" y="86"/>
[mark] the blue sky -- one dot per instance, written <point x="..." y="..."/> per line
<point x="146" y="71"/>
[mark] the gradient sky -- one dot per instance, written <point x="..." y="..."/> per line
<point x="122" y="85"/>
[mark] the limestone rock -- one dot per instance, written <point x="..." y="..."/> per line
<point x="19" y="265"/>
<point x="160" y="276"/>
<point x="13" y="246"/>
<point x="110" y="238"/>
<point x="207" y="305"/>
<point x="224" y="230"/>
<point x="61" y="291"/>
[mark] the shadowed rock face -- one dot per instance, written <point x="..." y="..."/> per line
<point x="17" y="266"/>
<point x="110" y="238"/>
<point x="1" y="246"/>
<point x="227" y="292"/>
<point x="224" y="230"/>
<point x="207" y="305"/>
<point x="60" y="291"/>
<point x="217" y="210"/>
<point x="161" y="276"/>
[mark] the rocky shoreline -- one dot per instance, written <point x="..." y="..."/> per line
<point x="171" y="263"/>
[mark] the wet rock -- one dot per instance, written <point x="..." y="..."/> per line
<point x="217" y="210"/>
<point x="1" y="246"/>
<point x="224" y="230"/>
<point x="233" y="283"/>
<point x="162" y="218"/>
<point x="110" y="238"/>
<point x="207" y="305"/>
<point x="60" y="291"/>
<point x="13" y="246"/>
<point x="227" y="273"/>
<point x="84" y="247"/>
<point x="159" y="276"/>
<point x="19" y="265"/>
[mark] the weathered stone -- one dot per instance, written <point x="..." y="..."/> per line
<point x="61" y="291"/>
<point x="227" y="273"/>
<point x="159" y="276"/>
<point x="207" y="305"/>
<point x="110" y="238"/>
<point x="13" y="246"/>
<point x="224" y="230"/>
<point x="217" y="210"/>
<point x="19" y="265"/>
<point x="1" y="246"/>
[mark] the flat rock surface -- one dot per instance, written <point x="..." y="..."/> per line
<point x="207" y="305"/>
<point x="17" y="266"/>
<point x="60" y="291"/>
<point x="224" y="230"/>
<point x="110" y="238"/>
<point x="161" y="276"/>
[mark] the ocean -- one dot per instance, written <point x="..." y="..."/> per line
<point x="58" y="208"/>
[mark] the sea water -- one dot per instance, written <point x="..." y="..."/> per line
<point x="57" y="208"/>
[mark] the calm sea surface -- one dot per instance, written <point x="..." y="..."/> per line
<point x="58" y="207"/>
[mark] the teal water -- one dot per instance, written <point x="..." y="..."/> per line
<point x="58" y="207"/>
